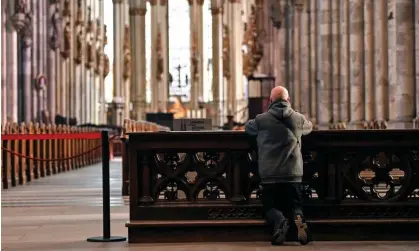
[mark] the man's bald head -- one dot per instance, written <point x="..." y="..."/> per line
<point x="279" y="92"/>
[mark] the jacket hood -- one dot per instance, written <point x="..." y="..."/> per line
<point x="280" y="109"/>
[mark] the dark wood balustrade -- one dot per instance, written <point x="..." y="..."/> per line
<point x="203" y="186"/>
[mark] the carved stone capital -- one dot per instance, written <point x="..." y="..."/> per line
<point x="152" y="2"/>
<point x="117" y="1"/>
<point x="200" y="2"/>
<point x="134" y="11"/>
<point x="163" y="2"/>
<point x="299" y="5"/>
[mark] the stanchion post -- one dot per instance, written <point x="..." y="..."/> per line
<point x="106" y="196"/>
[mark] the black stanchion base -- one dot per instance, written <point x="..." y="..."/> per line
<point x="110" y="239"/>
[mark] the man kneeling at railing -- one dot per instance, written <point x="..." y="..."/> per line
<point x="278" y="133"/>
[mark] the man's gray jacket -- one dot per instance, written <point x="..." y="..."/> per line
<point x="278" y="133"/>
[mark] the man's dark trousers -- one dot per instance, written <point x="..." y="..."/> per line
<point x="281" y="201"/>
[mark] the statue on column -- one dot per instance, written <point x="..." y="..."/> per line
<point x="54" y="30"/>
<point x="160" y="67"/>
<point x="27" y="31"/>
<point x="19" y="18"/>
<point x="79" y="47"/>
<point x="67" y="40"/>
<point x="195" y="57"/>
<point x="127" y="53"/>
<point x="106" y="66"/>
<point x="226" y="51"/>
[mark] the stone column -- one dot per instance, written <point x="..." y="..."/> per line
<point x="356" y="81"/>
<point x="137" y="12"/>
<point x="217" y="47"/>
<point x="153" y="59"/>
<point x="296" y="83"/>
<point x="26" y="35"/>
<point x="200" y="44"/>
<point x="305" y="62"/>
<point x="401" y="62"/>
<point x="235" y="86"/>
<point x="335" y="60"/>
<point x="324" y="85"/>
<point x="417" y="60"/>
<point x="194" y="57"/>
<point x="369" y="51"/>
<point x="117" y="102"/>
<point x="4" y="91"/>
<point x="163" y="58"/>
<point x="99" y="57"/>
<point x="12" y="64"/>
<point x="344" y="61"/>
<point x="313" y="59"/>
<point x="126" y="60"/>
<point x="54" y="22"/>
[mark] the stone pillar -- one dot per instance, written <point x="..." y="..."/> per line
<point x="305" y="62"/>
<point x="137" y="12"/>
<point x="313" y="59"/>
<point x="344" y="61"/>
<point x="153" y="59"/>
<point x="417" y="59"/>
<point x="217" y="52"/>
<point x="12" y="67"/>
<point x="126" y="61"/>
<point x="369" y="51"/>
<point x="101" y="45"/>
<point x="324" y="85"/>
<point x="334" y="60"/>
<point x="118" y="102"/>
<point x="26" y="35"/>
<point x="235" y="86"/>
<point x="200" y="44"/>
<point x="356" y="63"/>
<point x="163" y="56"/>
<point x="54" y="22"/>
<point x="296" y="83"/>
<point x="4" y="91"/>
<point x="401" y="62"/>
<point x="194" y="57"/>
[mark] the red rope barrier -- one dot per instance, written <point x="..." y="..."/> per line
<point x="52" y="160"/>
<point x="86" y="135"/>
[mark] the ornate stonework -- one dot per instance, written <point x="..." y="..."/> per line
<point x="137" y="11"/>
<point x="159" y="53"/>
<point x="19" y="18"/>
<point x="277" y="12"/>
<point x="67" y="9"/>
<point x="26" y="32"/>
<point x="163" y="2"/>
<point x="106" y="66"/>
<point x="54" y="29"/>
<point x="216" y="11"/>
<point x="152" y="2"/>
<point x="299" y="4"/>
<point x="226" y="52"/>
<point x="105" y="38"/>
<point x="195" y="57"/>
<point x="254" y="49"/>
<point x="200" y="2"/>
<point x="79" y="47"/>
<point x="67" y="40"/>
<point x="127" y="53"/>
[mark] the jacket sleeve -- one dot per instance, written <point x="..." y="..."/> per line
<point x="251" y="127"/>
<point x="307" y="126"/>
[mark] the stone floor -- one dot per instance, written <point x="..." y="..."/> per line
<point x="58" y="213"/>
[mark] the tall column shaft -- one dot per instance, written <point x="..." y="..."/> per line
<point x="102" y="112"/>
<point x="344" y="61"/>
<point x="200" y="37"/>
<point x="417" y="58"/>
<point x="53" y="44"/>
<point x="356" y="62"/>
<point x="313" y="59"/>
<point x="401" y="62"/>
<point x="369" y="51"/>
<point x="335" y="60"/>
<point x="137" y="25"/>
<point x="164" y="30"/>
<point x="117" y="71"/>
<point x="27" y="79"/>
<point x="217" y="47"/>
<point x="380" y="60"/>
<point x="324" y="86"/>
<point x="154" y="84"/>
<point x="305" y="63"/>
<point x="3" y="64"/>
<point x="296" y="83"/>
<point x="12" y="88"/>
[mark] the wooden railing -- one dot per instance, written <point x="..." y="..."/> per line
<point x="131" y="126"/>
<point x="37" y="150"/>
<point x="204" y="186"/>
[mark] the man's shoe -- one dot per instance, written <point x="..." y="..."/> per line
<point x="280" y="233"/>
<point x="302" y="230"/>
